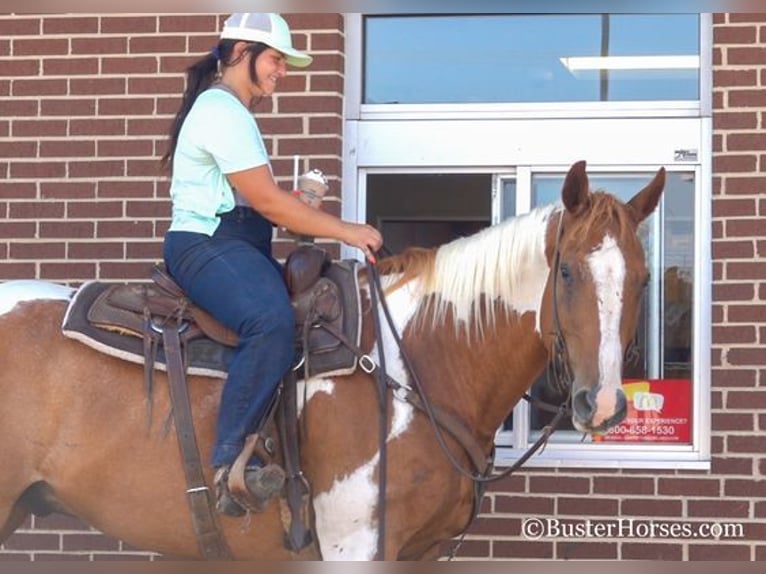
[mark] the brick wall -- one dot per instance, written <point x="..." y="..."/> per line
<point x="84" y="104"/>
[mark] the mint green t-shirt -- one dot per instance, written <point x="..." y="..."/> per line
<point x="219" y="136"/>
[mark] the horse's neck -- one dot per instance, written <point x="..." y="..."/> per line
<point x="480" y="377"/>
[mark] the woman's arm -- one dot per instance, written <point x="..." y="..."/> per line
<point x="257" y="186"/>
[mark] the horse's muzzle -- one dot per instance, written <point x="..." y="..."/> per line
<point x="598" y="409"/>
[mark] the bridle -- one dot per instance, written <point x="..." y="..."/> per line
<point x="559" y="370"/>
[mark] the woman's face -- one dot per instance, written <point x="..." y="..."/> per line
<point x="270" y="66"/>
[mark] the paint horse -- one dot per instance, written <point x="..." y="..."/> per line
<point x="477" y="319"/>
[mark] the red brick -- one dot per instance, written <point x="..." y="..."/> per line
<point x="97" y="168"/>
<point x="66" y="229"/>
<point x="556" y="484"/>
<point x="68" y="190"/>
<point x="40" y="47"/>
<point x="735" y="35"/>
<point x="745" y="142"/>
<point x="151" y="127"/>
<point x="742" y="466"/>
<point x="582" y="550"/>
<point x="733" y="422"/>
<point x="38" y="170"/>
<point x="15" y="68"/>
<point x="18" y="107"/>
<point x="688" y="486"/>
<point x="32" y="540"/>
<point x="623" y="485"/>
<point x="36" y="210"/>
<point x="18" y="149"/>
<point x="733" y="292"/>
<point x="19" y="26"/>
<point x="98" y="251"/>
<point x="310" y="104"/>
<point x="70" y="66"/>
<point x="107" y="229"/>
<point x="186" y="24"/>
<point x="717" y="552"/>
<point x="67" y="148"/>
<point x="747" y="357"/>
<point x="143" y="168"/>
<point x="125" y="189"/>
<point x="749" y="399"/>
<point x="744" y="444"/>
<point x="733" y="250"/>
<point x="521" y="549"/>
<point x="40" y="87"/>
<point x="746" y="314"/>
<point x="745" y="270"/>
<point x="15" y="229"/>
<point x="129" y="65"/>
<point x="38" y="128"/>
<point x="586" y="506"/>
<point x="125" y="270"/>
<point x="68" y="107"/>
<point x="155" y="85"/>
<point x="718" y="508"/>
<point x="650" y="507"/>
<point x="97" y="126"/>
<point x="734" y="207"/>
<point x="144" y="250"/>
<point x="68" y="271"/>
<point x="649" y="551"/>
<point x="100" y="46"/>
<point x="125" y="148"/>
<point x="127" y="107"/>
<point x="157" y="44"/>
<point x="526" y="505"/>
<point x="17" y="190"/>
<point x="89" y="541"/>
<point x="128" y="24"/>
<point x="94" y="209"/>
<point x="70" y="25"/>
<point x="9" y="271"/>
<point x="147" y="209"/>
<point x="98" y="86"/>
<point x="37" y="251"/>
<point x="750" y="55"/>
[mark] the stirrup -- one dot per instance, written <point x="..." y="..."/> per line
<point x="224" y="501"/>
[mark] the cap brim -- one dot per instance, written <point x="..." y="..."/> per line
<point x="296" y="58"/>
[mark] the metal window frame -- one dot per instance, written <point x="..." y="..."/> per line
<point x="370" y="146"/>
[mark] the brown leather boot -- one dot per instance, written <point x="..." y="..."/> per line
<point x="263" y="483"/>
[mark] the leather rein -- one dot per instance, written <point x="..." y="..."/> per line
<point x="440" y="419"/>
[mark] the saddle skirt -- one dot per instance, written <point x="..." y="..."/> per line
<point x="126" y="320"/>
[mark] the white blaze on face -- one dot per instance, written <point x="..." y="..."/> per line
<point x="607" y="267"/>
<point x="14" y="292"/>
<point x="345" y="515"/>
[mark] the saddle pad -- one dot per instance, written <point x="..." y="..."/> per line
<point x="205" y="357"/>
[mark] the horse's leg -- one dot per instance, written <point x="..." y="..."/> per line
<point x="12" y="518"/>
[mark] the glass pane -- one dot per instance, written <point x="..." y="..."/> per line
<point x="508" y="203"/>
<point x="671" y="276"/>
<point x="531" y="58"/>
<point x="426" y="210"/>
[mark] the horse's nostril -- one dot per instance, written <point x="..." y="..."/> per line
<point x="583" y="405"/>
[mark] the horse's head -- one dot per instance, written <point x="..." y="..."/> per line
<point x="598" y="274"/>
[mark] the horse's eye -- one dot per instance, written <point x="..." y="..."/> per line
<point x="566" y="273"/>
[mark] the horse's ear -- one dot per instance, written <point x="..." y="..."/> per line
<point x="576" y="191"/>
<point x="646" y="200"/>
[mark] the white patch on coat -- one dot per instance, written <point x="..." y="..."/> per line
<point x="307" y="389"/>
<point x="344" y="516"/>
<point x="607" y="267"/>
<point x="14" y="292"/>
<point x="345" y="523"/>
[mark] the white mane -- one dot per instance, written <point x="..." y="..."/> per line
<point x="504" y="263"/>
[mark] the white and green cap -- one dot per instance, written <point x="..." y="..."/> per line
<point x="269" y="28"/>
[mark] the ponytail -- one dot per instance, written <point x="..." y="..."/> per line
<point x="199" y="77"/>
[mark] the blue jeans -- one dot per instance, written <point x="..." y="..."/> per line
<point x="233" y="276"/>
